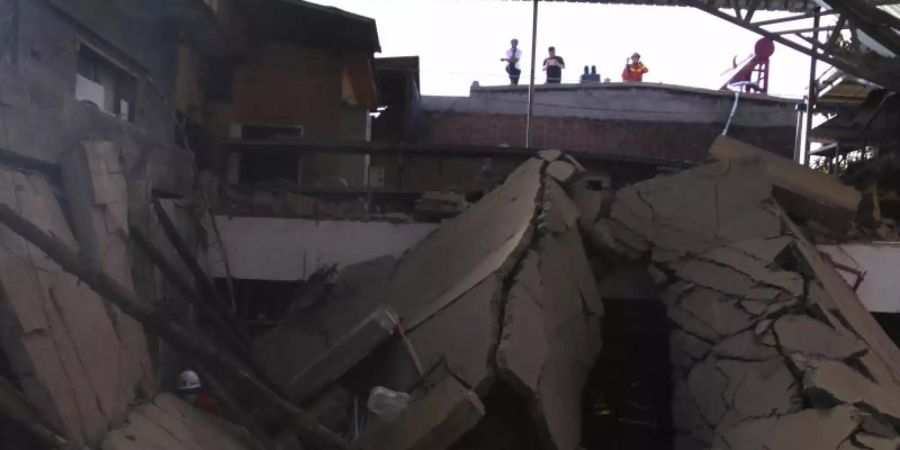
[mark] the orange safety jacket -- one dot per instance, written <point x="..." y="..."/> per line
<point x="634" y="72"/>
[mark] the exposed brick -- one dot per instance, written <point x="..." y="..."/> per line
<point x="662" y="140"/>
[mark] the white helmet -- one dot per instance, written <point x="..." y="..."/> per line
<point x="188" y="380"/>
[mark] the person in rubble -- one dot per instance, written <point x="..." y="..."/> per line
<point x="191" y="390"/>
<point x="554" y="65"/>
<point x="513" y="56"/>
<point x="634" y="68"/>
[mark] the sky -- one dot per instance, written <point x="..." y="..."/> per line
<point x="461" y="41"/>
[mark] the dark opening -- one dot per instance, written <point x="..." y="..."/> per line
<point x="627" y="399"/>
<point x="108" y="86"/>
<point x="890" y="323"/>
<point x="269" y="168"/>
<point x="261" y="304"/>
<point x="506" y="424"/>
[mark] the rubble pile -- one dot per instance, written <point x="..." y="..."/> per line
<point x="770" y="348"/>
<point x="80" y="361"/>
<point x="501" y="294"/>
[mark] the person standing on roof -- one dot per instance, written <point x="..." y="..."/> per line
<point x="554" y="65"/>
<point x="634" y="68"/>
<point x="191" y="391"/>
<point x="513" y="56"/>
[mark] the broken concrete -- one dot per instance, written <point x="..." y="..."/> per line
<point x="341" y="356"/>
<point x="434" y="422"/>
<point x="753" y="306"/>
<point x="169" y="423"/>
<point x="60" y="339"/>
<point x="95" y="187"/>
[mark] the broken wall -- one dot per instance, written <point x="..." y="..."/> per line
<point x="769" y="346"/>
<point x="77" y="359"/>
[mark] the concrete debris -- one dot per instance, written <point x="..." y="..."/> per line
<point x="60" y="336"/>
<point x="169" y="423"/>
<point x="433" y="422"/>
<point x="562" y="171"/>
<point x="792" y="177"/>
<point x="811" y="337"/>
<point x="550" y="155"/>
<point x="305" y="337"/>
<point x="811" y="428"/>
<point x="342" y="355"/>
<point x="762" y="325"/>
<point x="440" y="204"/>
<point x="828" y="382"/>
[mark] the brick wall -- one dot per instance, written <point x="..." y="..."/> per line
<point x="663" y="140"/>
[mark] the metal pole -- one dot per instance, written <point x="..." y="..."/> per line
<point x="534" y="23"/>
<point x="811" y="96"/>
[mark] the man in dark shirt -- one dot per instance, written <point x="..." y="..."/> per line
<point x="554" y="65"/>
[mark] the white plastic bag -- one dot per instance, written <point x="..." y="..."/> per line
<point x="387" y="404"/>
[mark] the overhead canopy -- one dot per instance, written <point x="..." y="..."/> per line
<point x="772" y="5"/>
<point x="313" y="25"/>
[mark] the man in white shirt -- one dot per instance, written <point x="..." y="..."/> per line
<point x="513" y="55"/>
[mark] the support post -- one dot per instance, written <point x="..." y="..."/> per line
<point x="528" y="118"/>
<point x="811" y="96"/>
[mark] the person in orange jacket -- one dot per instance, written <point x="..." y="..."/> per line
<point x="634" y="69"/>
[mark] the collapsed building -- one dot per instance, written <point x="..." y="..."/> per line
<point x="201" y="184"/>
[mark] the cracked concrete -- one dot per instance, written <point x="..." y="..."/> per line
<point x="770" y="349"/>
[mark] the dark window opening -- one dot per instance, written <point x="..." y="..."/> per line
<point x="105" y="85"/>
<point x="270" y="168"/>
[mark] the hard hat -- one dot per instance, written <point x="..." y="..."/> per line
<point x="188" y="380"/>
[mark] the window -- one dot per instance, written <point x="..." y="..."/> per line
<point x="105" y="85"/>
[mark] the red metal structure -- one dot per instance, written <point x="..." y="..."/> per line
<point x="753" y="74"/>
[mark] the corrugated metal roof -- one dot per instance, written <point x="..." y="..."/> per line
<point x="771" y="5"/>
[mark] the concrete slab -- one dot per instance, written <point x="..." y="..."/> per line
<point x="95" y="187"/>
<point x="745" y="346"/>
<point x="68" y="354"/>
<point x="786" y="174"/>
<point x="807" y="429"/>
<point x="466" y="350"/>
<point x="718" y="312"/>
<point x="826" y="381"/>
<point x="342" y="355"/>
<point x="561" y="171"/>
<point x="523" y="346"/>
<point x="558" y="212"/>
<point x="487" y="238"/>
<point x="759" y="389"/>
<point x="169" y="423"/>
<point x="549" y="155"/>
<point x="812" y="338"/>
<point x="707" y="386"/>
<point x="434" y="422"/>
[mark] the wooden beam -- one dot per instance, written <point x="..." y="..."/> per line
<point x="167" y="327"/>
<point x="204" y="284"/>
<point x="206" y="311"/>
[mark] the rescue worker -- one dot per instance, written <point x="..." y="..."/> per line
<point x="191" y="391"/>
<point x="634" y="68"/>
